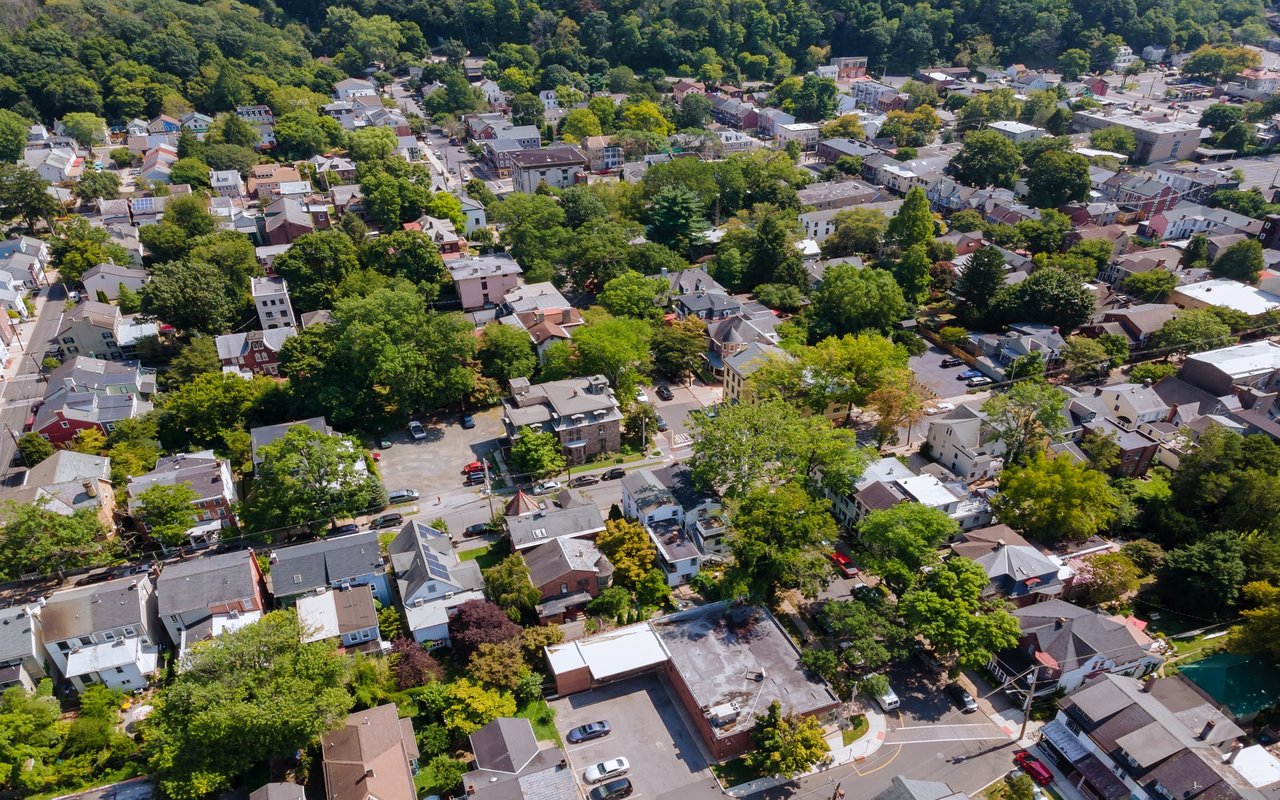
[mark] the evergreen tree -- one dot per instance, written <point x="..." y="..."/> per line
<point x="913" y="224"/>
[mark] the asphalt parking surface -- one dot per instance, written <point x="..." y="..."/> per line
<point x="433" y="465"/>
<point x="930" y="373"/>
<point x="648" y="731"/>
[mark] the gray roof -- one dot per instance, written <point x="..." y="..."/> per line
<point x="647" y="490"/>
<point x="830" y="191"/>
<point x="66" y="466"/>
<point x="678" y="479"/>
<point x="708" y="301"/>
<point x="265" y="435"/>
<point x="505" y="745"/>
<point x="687" y="281"/>
<point x="16" y="634"/>
<point x="489" y="266"/>
<point x="901" y="788"/>
<point x="278" y="791"/>
<point x="547" y="157"/>
<point x="315" y="565"/>
<point x="202" y="471"/>
<point x="555" y="403"/>
<point x="234" y="345"/>
<point x="206" y="581"/>
<point x="83" y="610"/>
<point x="754" y="356"/>
<point x="96" y="373"/>
<point x="556" y="558"/>
<point x="1015" y="564"/>
<point x="420" y="554"/>
<point x="1080" y="634"/>
<point x="539" y="527"/>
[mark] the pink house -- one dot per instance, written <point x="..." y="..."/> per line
<point x="482" y="281"/>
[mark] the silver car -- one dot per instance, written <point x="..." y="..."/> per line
<point x="416" y="430"/>
<point x="606" y="770"/>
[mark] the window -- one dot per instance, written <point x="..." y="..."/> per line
<point x="130" y="631"/>
<point x="108" y="636"/>
<point x="68" y="340"/>
<point x="85" y="641"/>
<point x="119" y="670"/>
<point x="64" y="424"/>
<point x="564" y="588"/>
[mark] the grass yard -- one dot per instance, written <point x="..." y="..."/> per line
<point x="855" y="731"/>
<point x="735" y="772"/>
<point x="543" y="719"/>
<point x="485" y="556"/>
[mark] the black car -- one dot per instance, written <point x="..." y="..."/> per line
<point x="664" y="392"/>
<point x="479" y="529"/>
<point x="386" y="521"/>
<point x="613" y="474"/>
<point x="963" y="700"/>
<point x="951" y="361"/>
<point x="583" y="480"/>
<point x="343" y="530"/>
<point x="612" y="790"/>
<point x="592" y="730"/>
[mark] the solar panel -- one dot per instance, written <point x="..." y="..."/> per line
<point x="439" y="572"/>
<point x="431" y="557"/>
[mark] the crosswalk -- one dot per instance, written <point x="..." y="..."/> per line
<point x="968" y="732"/>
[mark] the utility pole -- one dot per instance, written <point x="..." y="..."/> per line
<point x="1026" y="707"/>
<point x="488" y="490"/>
<point x="837" y="793"/>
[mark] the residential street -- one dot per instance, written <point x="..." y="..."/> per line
<point x="23" y="384"/>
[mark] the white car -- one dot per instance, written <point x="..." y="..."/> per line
<point x="641" y="396"/>
<point x="940" y="408"/>
<point x="416" y="430"/>
<point x="546" y="487"/>
<point x="605" y="770"/>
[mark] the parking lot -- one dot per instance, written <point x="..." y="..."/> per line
<point x="930" y="373"/>
<point x="433" y="465"/>
<point x="675" y="412"/>
<point x="648" y="730"/>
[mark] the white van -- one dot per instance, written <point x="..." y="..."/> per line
<point x="889" y="700"/>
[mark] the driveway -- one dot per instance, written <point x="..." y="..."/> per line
<point x="677" y="438"/>
<point x="648" y="730"/>
<point x="434" y="465"/>
<point x="931" y="374"/>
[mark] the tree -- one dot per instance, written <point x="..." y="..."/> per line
<point x="694" y="112"/>
<point x="1072" y="63"/>
<point x="192" y="296"/>
<point x="1192" y="331"/>
<point x="13" y="136"/>
<point x="1114" y="139"/>
<point x="191" y="171"/>
<point x="1153" y="286"/>
<point x="852" y="300"/>
<point x="978" y="285"/>
<point x="628" y="547"/>
<point x="228" y="128"/>
<point x="645" y="116"/>
<point x="1107" y="577"/>
<point x="903" y="540"/>
<point x="37" y="541"/>
<point x="1025" y="418"/>
<point x="167" y="513"/>
<point x="846" y="126"/>
<point x="34" y="448"/>
<point x="913" y="224"/>
<point x="912" y="272"/>
<point x="499" y="665"/>
<point x="308" y="478"/>
<point x="478" y="622"/>
<point x="786" y="744"/>
<point x="776" y="540"/>
<point x="987" y="159"/>
<point x="857" y="230"/>
<point x="304" y="133"/>
<point x="579" y="123"/>
<point x="1085" y="358"/>
<point x="1050" y="296"/>
<point x="947" y="608"/>
<point x="633" y="295"/>
<point x="85" y="128"/>
<point x="1261" y="620"/>
<point x="252" y="695"/>
<point x="527" y="109"/>
<point x="407" y="254"/>
<point x="678" y="346"/>
<point x="505" y="352"/>
<point x="23" y="193"/>
<point x="470" y="706"/>
<point x="412" y="665"/>
<point x="616" y="347"/>
<point x="372" y="143"/>
<point x="507" y="584"/>
<point x="98" y="184"/>
<point x="676" y="219"/>
<point x="1241" y="261"/>
<point x="1057" y="178"/>
<point x="1221" y="116"/>
<point x="1055" y="499"/>
<point x="537" y="454"/>
<point x="816" y="99"/>
<point x="1204" y="577"/>
<point x="868" y="635"/>
<point x="205" y="409"/>
<point x="314" y="265"/>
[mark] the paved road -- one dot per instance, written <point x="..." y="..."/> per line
<point x="24" y="388"/>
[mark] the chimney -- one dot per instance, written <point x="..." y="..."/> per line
<point x="368" y="773"/>
<point x="1235" y="751"/>
<point x="1208" y="730"/>
<point x="1000" y="543"/>
<point x="91" y="488"/>
<point x="566" y="316"/>
<point x="1149" y="684"/>
<point x="1059" y="622"/>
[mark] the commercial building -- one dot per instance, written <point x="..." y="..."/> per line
<point x="1158" y="138"/>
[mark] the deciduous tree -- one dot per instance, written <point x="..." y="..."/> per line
<point x="1055" y="499"/>
<point x="167" y="511"/>
<point x="776" y="542"/>
<point x="904" y="539"/>
<point x="947" y="608"/>
<point x="786" y="744"/>
<point x="1025" y="418"/>
<point x="507" y="585"/>
<point x="478" y="622"/>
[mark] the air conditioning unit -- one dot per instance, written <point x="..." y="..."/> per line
<point x="725" y="713"/>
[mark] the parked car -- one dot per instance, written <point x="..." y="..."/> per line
<point x="939" y="408"/>
<point x="386" y="521"/>
<point x="479" y="529"/>
<point x="474" y="478"/>
<point x="606" y="770"/>
<point x="889" y="700"/>
<point x="592" y="730"/>
<point x="468" y="422"/>
<point x="401" y="496"/>
<point x="416" y="430"/>
<point x="546" y="487"/>
<point x="641" y="397"/>
<point x="662" y="424"/>
<point x="951" y="361"/>
<point x="583" y="480"/>
<point x="474" y="466"/>
<point x="962" y="698"/>
<point x="664" y="392"/>
<point x="967" y="374"/>
<point x="612" y="474"/>
<point x="613" y="790"/>
<point x="843" y="564"/>
<point x="981" y="380"/>
<point x="343" y="530"/>
<point x="1033" y="767"/>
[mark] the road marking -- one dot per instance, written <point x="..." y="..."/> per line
<point x="862" y="774"/>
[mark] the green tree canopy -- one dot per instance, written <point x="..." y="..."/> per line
<point x="167" y="512"/>
<point x="852" y="300"/>
<point x="1055" y="499"/>
<point x="904" y="539"/>
<point x="988" y="158"/>
<point x="537" y="454"/>
<point x="1056" y="178"/>
<point x="947" y="608"/>
<point x="786" y="744"/>
<point x="36" y="540"/>
<point x="776" y="541"/>
<point x="1025" y="418"/>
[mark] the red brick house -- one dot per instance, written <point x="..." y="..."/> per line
<point x="65" y="413"/>
<point x="568" y="574"/>
<point x="257" y="352"/>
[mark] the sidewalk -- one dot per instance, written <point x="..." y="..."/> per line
<point x="23" y="346"/>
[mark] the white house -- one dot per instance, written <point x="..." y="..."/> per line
<point x="105" y="280"/>
<point x="348" y="615"/>
<point x="432" y="581"/>
<point x="104" y="633"/>
<point x="960" y="441"/>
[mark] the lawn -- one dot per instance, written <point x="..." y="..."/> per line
<point x="543" y="719"/>
<point x="485" y="556"/>
<point x="854" y="732"/>
<point x="735" y="772"/>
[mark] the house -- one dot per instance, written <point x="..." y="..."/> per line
<point x="647" y="500"/>
<point x="474" y="211"/>
<point x="271" y="300"/>
<point x="568" y="573"/>
<point x="105" y="633"/>
<point x="876" y="96"/>
<point x="338" y="563"/>
<point x="888" y="482"/>
<point x="1146" y="195"/>
<point x="196" y="122"/>
<point x="1020" y="340"/>
<point x="678" y="554"/>
<point x="67" y="482"/>
<point x="64" y="413"/>
<point x="285" y="219"/>
<point x="537" y="526"/>
<point x="509" y="764"/>
<point x="26" y="259"/>
<point x="442" y="233"/>
<point x="831" y="150"/>
<point x="713" y="657"/>
<point x="1062" y="644"/>
<point x="1254" y="365"/>
<point x="582" y="412"/>
<point x="201" y="598"/>
<point x="546" y="327"/>
<point x="103" y="281"/>
<point x="803" y="133"/>
<point x="157" y="162"/>
<point x="348" y="615"/>
<point x="483" y="281"/>
<point x="208" y="476"/>
<point x="1186" y="219"/>
<point x="1122" y="267"/>
<point x="825" y="195"/>
<point x="84" y="374"/>
<point x="1017" y="132"/>
<point x="740" y="366"/>
<point x="1017" y="570"/>
<point x="769" y="122"/>
<point x="99" y="330"/>
<point x="732" y="141"/>
<point x="684" y="87"/>
<point x="253" y="352"/>
<point x="22" y="658"/>
<point x="532" y="297"/>
<point x="350" y="88"/>
<point x="54" y="164"/>
<point x="962" y="441"/>
<point x="558" y="167"/>
<point x="707" y="305"/>
<point x="226" y="183"/>
<point x="602" y="153"/>
<point x="432" y="581"/>
<point x="728" y="337"/>
<point x="734" y="112"/>
<point x="336" y="170"/>
<point x="1137" y="322"/>
<point x="264" y="435"/>
<point x="373" y="756"/>
<point x="164" y="124"/>
<point x="265" y="179"/>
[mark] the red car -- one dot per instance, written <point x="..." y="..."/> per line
<point x="474" y="466"/>
<point x="1033" y="767"/>
<point x="843" y="564"/>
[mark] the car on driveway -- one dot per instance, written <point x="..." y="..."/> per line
<point x="416" y="430"/>
<point x="479" y="529"/>
<point x="1033" y="767"/>
<point x="951" y="361"/>
<point x="343" y="530"/>
<point x="961" y="697"/>
<point x="981" y="380"/>
<point x="401" y="496"/>
<point x="474" y="466"/>
<point x="606" y="770"/>
<point x="843" y="564"/>
<point x="612" y="474"/>
<point x="641" y="397"/>
<point x="468" y="422"/>
<point x="664" y="392"/>
<point x="583" y="480"/>
<point x="546" y="487"/>
<point x="592" y="730"/>
<point x="613" y="790"/>
<point x="940" y="408"/>
<point x="386" y="521"/>
<point x="967" y="374"/>
<point x="662" y="424"/>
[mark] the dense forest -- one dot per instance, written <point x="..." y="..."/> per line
<point x="127" y="58"/>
